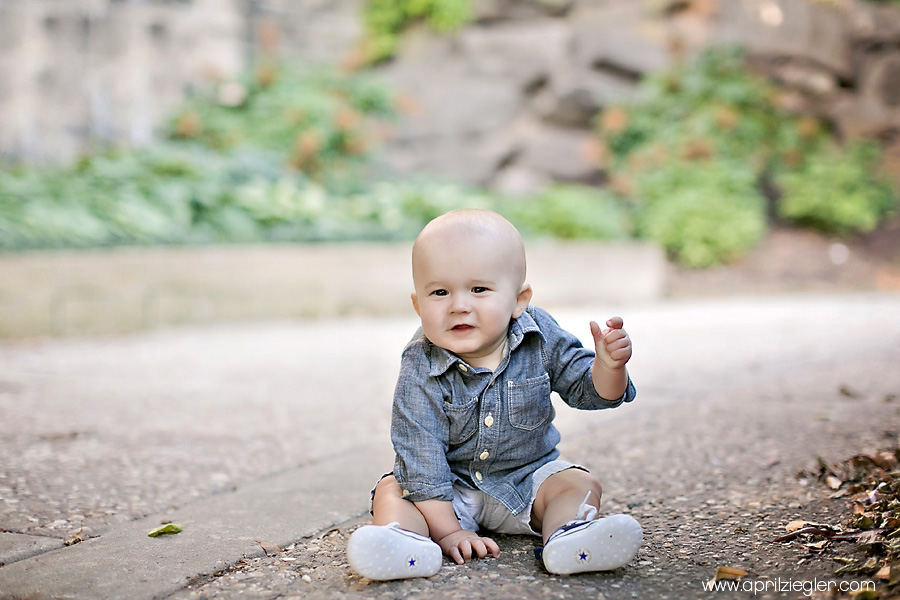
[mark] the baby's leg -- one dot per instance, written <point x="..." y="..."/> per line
<point x="396" y="545"/>
<point x="389" y="506"/>
<point x="559" y="498"/>
<point x="574" y="539"/>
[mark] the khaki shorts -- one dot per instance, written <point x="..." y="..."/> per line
<point x="475" y="509"/>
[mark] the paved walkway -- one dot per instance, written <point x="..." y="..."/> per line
<point x="261" y="435"/>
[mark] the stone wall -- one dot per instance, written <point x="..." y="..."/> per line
<point x="77" y="74"/>
<point x="507" y="102"/>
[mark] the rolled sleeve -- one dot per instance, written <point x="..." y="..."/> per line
<point x="569" y="364"/>
<point x="420" y="432"/>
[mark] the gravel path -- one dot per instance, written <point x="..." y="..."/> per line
<point x="708" y="461"/>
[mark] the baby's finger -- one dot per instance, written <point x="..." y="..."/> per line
<point x="456" y="556"/>
<point x="465" y="548"/>
<point x="614" y="335"/>
<point x="492" y="547"/>
<point x="621" y="355"/>
<point x="596" y="332"/>
<point x="479" y="547"/>
<point x="615" y="323"/>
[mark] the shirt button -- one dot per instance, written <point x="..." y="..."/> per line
<point x="489" y="420"/>
<point x="463" y="368"/>
<point x="484" y="455"/>
<point x="478" y="475"/>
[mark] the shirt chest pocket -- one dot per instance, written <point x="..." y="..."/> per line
<point x="529" y="402"/>
<point x="462" y="420"/>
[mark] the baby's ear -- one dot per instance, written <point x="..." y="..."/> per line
<point x="523" y="299"/>
<point x="415" y="301"/>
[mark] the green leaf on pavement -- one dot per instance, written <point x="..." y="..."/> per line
<point x="166" y="529"/>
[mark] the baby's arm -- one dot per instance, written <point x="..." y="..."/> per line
<point x="457" y="543"/>
<point x="613" y="348"/>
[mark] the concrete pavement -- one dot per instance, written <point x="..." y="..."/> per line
<point x="264" y="433"/>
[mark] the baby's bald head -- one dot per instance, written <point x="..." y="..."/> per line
<point x="472" y="227"/>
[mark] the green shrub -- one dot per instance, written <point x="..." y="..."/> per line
<point x="171" y="193"/>
<point x="570" y="212"/>
<point x="720" y="127"/>
<point x="836" y="190"/>
<point x="702" y="213"/>
<point x="386" y="20"/>
<point x="318" y="121"/>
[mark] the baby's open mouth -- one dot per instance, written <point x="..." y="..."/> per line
<point x="462" y="327"/>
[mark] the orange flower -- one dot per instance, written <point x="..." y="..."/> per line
<point x="614" y="120"/>
<point x="808" y="126"/>
<point x="266" y="74"/>
<point x="697" y="149"/>
<point x="726" y="118"/>
<point x="346" y="119"/>
<point x="595" y="152"/>
<point x="307" y="144"/>
<point x="188" y="124"/>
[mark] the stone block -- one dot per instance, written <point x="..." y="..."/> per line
<point x="12" y="18"/>
<point x="620" y="36"/>
<point x="816" y="31"/>
<point x="560" y="153"/>
<point x="523" y="53"/>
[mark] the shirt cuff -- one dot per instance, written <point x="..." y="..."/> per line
<point x="419" y="492"/>
<point x="598" y="402"/>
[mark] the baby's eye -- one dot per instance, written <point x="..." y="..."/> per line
<point x="439" y="293"/>
<point x="479" y="289"/>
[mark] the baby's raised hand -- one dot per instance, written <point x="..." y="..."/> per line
<point x="463" y="545"/>
<point x="613" y="346"/>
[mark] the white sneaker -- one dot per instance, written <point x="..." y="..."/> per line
<point x="384" y="552"/>
<point x="601" y="545"/>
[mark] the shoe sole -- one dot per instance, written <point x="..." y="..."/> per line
<point x="601" y="545"/>
<point x="384" y="553"/>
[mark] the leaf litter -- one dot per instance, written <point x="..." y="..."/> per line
<point x="870" y="483"/>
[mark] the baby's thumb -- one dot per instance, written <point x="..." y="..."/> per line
<point x="596" y="332"/>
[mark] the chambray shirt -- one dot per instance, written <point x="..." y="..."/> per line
<point x="489" y="430"/>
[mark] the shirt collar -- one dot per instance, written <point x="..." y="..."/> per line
<point x="442" y="360"/>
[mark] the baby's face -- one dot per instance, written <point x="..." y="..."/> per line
<point x="467" y="290"/>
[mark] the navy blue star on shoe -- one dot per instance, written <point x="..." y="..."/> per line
<point x="383" y="552"/>
<point x="593" y="545"/>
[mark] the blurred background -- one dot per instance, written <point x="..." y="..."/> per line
<point x="239" y="182"/>
<point x="203" y="156"/>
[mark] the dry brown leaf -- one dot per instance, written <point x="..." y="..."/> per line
<point x="833" y="482"/>
<point x="884" y="573"/>
<point x="270" y="548"/>
<point x="730" y="573"/>
<point x="817" y="546"/>
<point x="795" y="525"/>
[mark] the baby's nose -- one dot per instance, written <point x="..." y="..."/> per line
<point x="460" y="303"/>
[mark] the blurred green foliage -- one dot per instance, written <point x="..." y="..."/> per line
<point x="571" y="212"/>
<point x="282" y="155"/>
<point x="386" y="20"/>
<point x="691" y="152"/>
<point x="834" y="190"/>
<point x="704" y="214"/>
<point x="322" y="121"/>
<point x="271" y="157"/>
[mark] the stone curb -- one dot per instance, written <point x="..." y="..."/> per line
<point x="218" y="531"/>
<point x="121" y="290"/>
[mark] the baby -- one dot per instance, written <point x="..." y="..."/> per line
<point x="472" y="419"/>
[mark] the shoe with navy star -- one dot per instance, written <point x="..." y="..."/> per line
<point x="597" y="545"/>
<point x="385" y="552"/>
